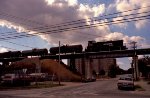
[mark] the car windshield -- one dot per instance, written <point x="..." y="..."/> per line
<point x="130" y="79"/>
<point x="125" y="78"/>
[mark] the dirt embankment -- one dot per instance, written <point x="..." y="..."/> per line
<point x="47" y="66"/>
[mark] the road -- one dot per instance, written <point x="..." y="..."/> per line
<point x="99" y="89"/>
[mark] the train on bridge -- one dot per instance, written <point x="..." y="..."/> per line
<point x="93" y="46"/>
<point x="25" y="53"/>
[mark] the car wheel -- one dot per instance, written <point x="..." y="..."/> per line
<point x="119" y="87"/>
<point x="133" y="88"/>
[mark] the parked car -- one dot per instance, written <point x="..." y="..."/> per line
<point x="128" y="75"/>
<point x="9" y="78"/>
<point x="39" y="76"/>
<point x="125" y="82"/>
<point x="16" y="79"/>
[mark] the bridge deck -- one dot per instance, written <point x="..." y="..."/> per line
<point x="93" y="55"/>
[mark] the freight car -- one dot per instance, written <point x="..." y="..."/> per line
<point x="25" y="53"/>
<point x="94" y="46"/>
<point x="15" y="54"/>
<point x="10" y="54"/>
<point x="35" y="52"/>
<point x="66" y="49"/>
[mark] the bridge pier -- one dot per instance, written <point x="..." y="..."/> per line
<point x="88" y="68"/>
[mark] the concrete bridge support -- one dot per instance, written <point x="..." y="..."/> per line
<point x="88" y="68"/>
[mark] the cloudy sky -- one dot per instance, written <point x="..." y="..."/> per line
<point x="27" y="24"/>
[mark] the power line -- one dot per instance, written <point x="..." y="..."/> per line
<point x="68" y="29"/>
<point x="8" y="47"/>
<point x="75" y="28"/>
<point x="85" y="26"/>
<point x="105" y="18"/>
<point x="15" y="43"/>
<point x="68" y="23"/>
<point x="19" y="44"/>
<point x="54" y="30"/>
<point x="72" y="22"/>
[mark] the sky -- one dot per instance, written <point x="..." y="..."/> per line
<point x="20" y="19"/>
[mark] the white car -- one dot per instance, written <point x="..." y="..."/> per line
<point x="125" y="82"/>
<point x="16" y="79"/>
<point x="9" y="78"/>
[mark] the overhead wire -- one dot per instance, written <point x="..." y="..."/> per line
<point x="75" y="21"/>
<point x="19" y="44"/>
<point x="13" y="42"/>
<point x="8" y="48"/>
<point x="139" y="18"/>
<point x="74" y="28"/>
<point x="85" y="26"/>
<point x="71" y="22"/>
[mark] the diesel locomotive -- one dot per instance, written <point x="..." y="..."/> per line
<point x="94" y="46"/>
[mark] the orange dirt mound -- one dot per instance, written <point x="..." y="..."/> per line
<point x="47" y="66"/>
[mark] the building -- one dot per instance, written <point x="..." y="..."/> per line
<point x="97" y="66"/>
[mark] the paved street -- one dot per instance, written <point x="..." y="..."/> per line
<point x="99" y="89"/>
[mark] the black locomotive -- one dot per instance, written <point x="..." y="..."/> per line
<point x="94" y="46"/>
<point x="66" y="49"/>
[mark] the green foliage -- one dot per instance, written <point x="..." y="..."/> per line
<point x="102" y="72"/>
<point x="139" y="88"/>
<point x="112" y="71"/>
<point x="142" y="64"/>
<point x="119" y="71"/>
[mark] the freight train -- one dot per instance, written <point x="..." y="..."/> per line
<point x="25" y="53"/>
<point x="93" y="46"/>
<point x="42" y="52"/>
<point x="34" y="52"/>
<point x="67" y="49"/>
<point x="10" y="54"/>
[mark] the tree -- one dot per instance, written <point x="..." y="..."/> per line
<point x="119" y="71"/>
<point x="112" y="71"/>
<point x="102" y="72"/>
<point x="142" y="64"/>
<point x="130" y="71"/>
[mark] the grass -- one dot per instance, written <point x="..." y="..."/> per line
<point x="139" y="88"/>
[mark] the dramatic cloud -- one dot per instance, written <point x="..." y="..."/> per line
<point x="35" y="16"/>
<point x="123" y="65"/>
<point x="3" y="50"/>
<point x="140" y="41"/>
<point x="51" y="12"/>
<point x="124" y="5"/>
<point x="39" y="16"/>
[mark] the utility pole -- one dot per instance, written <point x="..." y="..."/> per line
<point x="59" y="65"/>
<point x="134" y="60"/>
